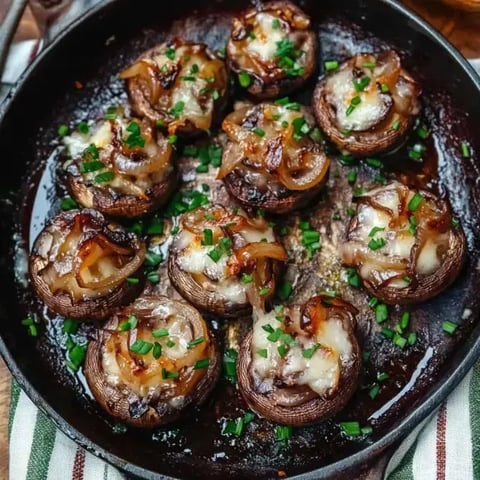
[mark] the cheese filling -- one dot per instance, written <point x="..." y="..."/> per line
<point x="382" y="242"/>
<point x="297" y="358"/>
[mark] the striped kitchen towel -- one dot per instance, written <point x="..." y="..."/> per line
<point x="444" y="447"/>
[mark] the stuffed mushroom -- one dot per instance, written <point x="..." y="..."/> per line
<point x="300" y="364"/>
<point x="404" y="244"/>
<point x="272" y="49"/>
<point x="274" y="159"/>
<point x="367" y="104"/>
<point x="222" y="262"/>
<point x="180" y="85"/>
<point x="152" y="362"/>
<point x="121" y="167"/>
<point x="82" y="266"/>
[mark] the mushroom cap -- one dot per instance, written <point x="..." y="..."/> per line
<point x="127" y="406"/>
<point x="299" y="405"/>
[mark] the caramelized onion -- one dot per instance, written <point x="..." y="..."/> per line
<point x="403" y="244"/>
<point x="297" y="387"/>
<point x="153" y="387"/>
<point x="387" y="102"/>
<point x="79" y="265"/>
<point x="271" y="160"/>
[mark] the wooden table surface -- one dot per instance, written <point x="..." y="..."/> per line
<point x="463" y="29"/>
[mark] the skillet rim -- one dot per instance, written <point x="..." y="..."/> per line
<point x="363" y="457"/>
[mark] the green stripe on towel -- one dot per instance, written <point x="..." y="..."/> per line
<point x="42" y="448"/>
<point x="404" y="471"/>
<point x="14" y="396"/>
<point x="474" y="399"/>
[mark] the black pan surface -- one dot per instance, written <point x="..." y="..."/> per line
<point x="76" y="79"/>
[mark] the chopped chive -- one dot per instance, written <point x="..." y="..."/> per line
<point x="373" y="392"/>
<point x="234" y="427"/>
<point x="229" y="365"/>
<point x="129" y="324"/>
<point x="373" y="302"/>
<point x="366" y="356"/>
<point x="366" y="430"/>
<point x="375" y="230"/>
<point x="412" y="338"/>
<point x="449" y="326"/>
<point x="275" y="335"/>
<point x="189" y="78"/>
<point x="465" y="147"/>
<point x="350" y="211"/>
<point x="360" y="84"/>
<point x="387" y="333"/>
<point x="104" y="177"/>
<point x="454" y="222"/>
<point x="415" y="202"/>
<point x="309" y="352"/>
<point x="284" y="290"/>
<point x="352" y="176"/>
<point x="215" y="254"/>
<point x="404" y="320"/>
<point x="170" y="343"/>
<point x="259" y="132"/>
<point x="399" y="341"/>
<point x="172" y="139"/>
<point x="170" y="53"/>
<point x="275" y="23"/>
<point x="384" y="88"/>
<point x="381" y="377"/>
<point x="264" y="291"/>
<point x="202" y="363"/>
<point x="152" y="259"/>
<point x="352" y="429"/>
<point x="374" y="162"/>
<point x="141" y="347"/>
<point x="331" y="65"/>
<point x="157" y="350"/>
<point x="316" y="135"/>
<point x="68" y="203"/>
<point x="262" y="353"/>
<point x="381" y="313"/>
<point x="83" y="127"/>
<point x="413" y="225"/>
<point x="63" y="130"/>
<point x="268" y="328"/>
<point x="207" y="237"/>
<point x="422" y="132"/>
<point x="87" y="167"/>
<point x="396" y="125"/>
<point x="69" y="326"/>
<point x="153" y="277"/>
<point x="247" y="278"/>
<point x="195" y="342"/>
<point x="376" y="243"/>
<point x="282" y="351"/>
<point x="283" y="432"/>
<point x="353" y="278"/>
<point x="111" y="113"/>
<point x="161" y="332"/>
<point x="244" y="79"/>
<point x="167" y="374"/>
<point x="370" y="64"/>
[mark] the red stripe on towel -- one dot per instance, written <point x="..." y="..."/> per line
<point x="441" y="445"/>
<point x="78" y="464"/>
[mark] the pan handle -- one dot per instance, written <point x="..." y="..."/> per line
<point x="8" y="28"/>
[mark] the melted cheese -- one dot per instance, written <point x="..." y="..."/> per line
<point x="264" y="45"/>
<point x="392" y="258"/>
<point x="100" y="135"/>
<point x="321" y="372"/>
<point x="341" y="91"/>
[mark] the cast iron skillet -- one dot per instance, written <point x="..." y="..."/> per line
<point x="91" y="52"/>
